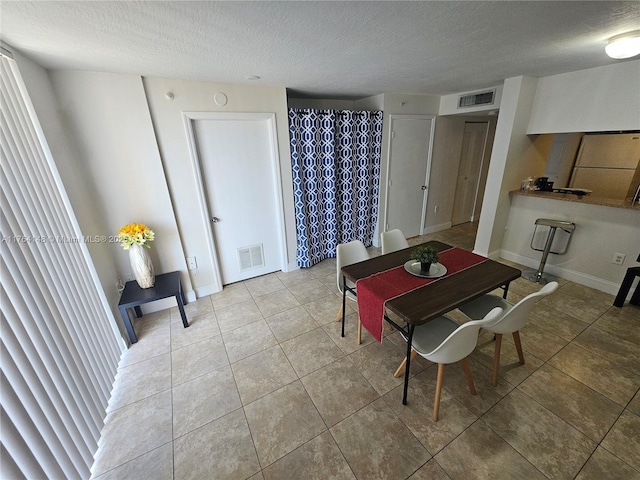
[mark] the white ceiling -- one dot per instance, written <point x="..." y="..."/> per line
<point x="322" y="49"/>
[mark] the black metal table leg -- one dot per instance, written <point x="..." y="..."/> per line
<point x="408" y="365"/>
<point x="183" y="315"/>
<point x="128" y="325"/>
<point x="630" y="276"/>
<point x="344" y="301"/>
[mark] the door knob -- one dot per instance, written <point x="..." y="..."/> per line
<point x="215" y="219"/>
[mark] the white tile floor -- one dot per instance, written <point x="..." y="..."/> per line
<point x="262" y="386"/>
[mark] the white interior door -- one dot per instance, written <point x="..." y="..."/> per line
<point x="238" y="162"/>
<point x="408" y="172"/>
<point x="471" y="156"/>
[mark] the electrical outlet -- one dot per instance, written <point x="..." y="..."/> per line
<point x="618" y="258"/>
<point x="435" y="209"/>
<point x="191" y="263"/>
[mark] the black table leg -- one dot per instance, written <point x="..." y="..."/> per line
<point x="128" y="325"/>
<point x="344" y="301"/>
<point x="635" y="298"/>
<point x="408" y="365"/>
<point x="179" y="300"/>
<point x="626" y="286"/>
<point x="138" y="311"/>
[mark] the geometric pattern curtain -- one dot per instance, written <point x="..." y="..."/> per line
<point x="335" y="156"/>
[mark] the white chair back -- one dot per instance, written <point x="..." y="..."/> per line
<point x="393" y="240"/>
<point x="462" y="341"/>
<point x="516" y="317"/>
<point x="348" y="253"/>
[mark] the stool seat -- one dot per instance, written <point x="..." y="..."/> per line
<point x="565" y="225"/>
<point x="538" y="276"/>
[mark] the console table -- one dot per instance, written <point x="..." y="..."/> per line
<point x="166" y="285"/>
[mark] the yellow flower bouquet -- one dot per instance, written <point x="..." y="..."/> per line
<point x="137" y="233"/>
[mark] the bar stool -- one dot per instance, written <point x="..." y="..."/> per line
<point x="538" y="276"/>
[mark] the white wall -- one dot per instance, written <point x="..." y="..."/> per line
<point x="445" y="164"/>
<point x="78" y="183"/>
<point x="321" y="104"/>
<point x="597" y="99"/>
<point x="600" y="232"/>
<point x="170" y="132"/>
<point x="447" y="145"/>
<point x="108" y="116"/>
<point x="514" y="157"/>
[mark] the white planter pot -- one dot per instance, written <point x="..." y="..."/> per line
<point x="141" y="266"/>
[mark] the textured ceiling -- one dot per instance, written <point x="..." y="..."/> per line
<point x="322" y="49"/>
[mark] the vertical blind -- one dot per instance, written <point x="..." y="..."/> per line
<point x="60" y="346"/>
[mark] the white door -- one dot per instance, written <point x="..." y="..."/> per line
<point x="471" y="156"/>
<point x="238" y="162"/>
<point x="408" y="172"/>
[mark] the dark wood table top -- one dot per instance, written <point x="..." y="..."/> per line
<point x="166" y="285"/>
<point x="438" y="297"/>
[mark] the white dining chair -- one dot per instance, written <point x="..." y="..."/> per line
<point x="443" y="341"/>
<point x="393" y="240"/>
<point x="346" y="254"/>
<point x="512" y="320"/>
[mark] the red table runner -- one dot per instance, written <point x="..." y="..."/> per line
<point x="375" y="290"/>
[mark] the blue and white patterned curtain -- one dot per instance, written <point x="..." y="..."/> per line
<point x="335" y="156"/>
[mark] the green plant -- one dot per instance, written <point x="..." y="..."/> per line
<point x="426" y="254"/>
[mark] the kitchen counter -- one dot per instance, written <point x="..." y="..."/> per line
<point x="584" y="199"/>
<point x="604" y="228"/>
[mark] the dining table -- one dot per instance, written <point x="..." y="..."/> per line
<point x="385" y="286"/>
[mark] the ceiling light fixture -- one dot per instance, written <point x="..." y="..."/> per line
<point x="253" y="77"/>
<point x="626" y="45"/>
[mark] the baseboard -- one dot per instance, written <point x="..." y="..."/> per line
<point x="495" y="255"/>
<point x="437" y="228"/>
<point x="571" y="275"/>
<point x="205" y="290"/>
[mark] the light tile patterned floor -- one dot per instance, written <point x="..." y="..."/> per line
<point x="262" y="386"/>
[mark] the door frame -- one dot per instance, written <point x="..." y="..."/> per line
<point x="425" y="196"/>
<point x="188" y="119"/>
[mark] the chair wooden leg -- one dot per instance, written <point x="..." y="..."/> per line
<point x="359" y="331"/>
<point x="436" y="403"/>
<point x="339" y="315"/>
<point x="516" y="339"/>
<point x="468" y="376"/>
<point x="496" y="359"/>
<point x="398" y="373"/>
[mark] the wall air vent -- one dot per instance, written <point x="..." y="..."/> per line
<point x="475" y="99"/>
<point x="250" y="257"/>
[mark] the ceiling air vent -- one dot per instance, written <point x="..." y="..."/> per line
<point x="250" y="257"/>
<point x="475" y="99"/>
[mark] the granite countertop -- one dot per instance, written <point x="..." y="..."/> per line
<point x="588" y="199"/>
